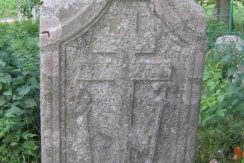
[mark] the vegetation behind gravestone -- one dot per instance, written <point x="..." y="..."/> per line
<point x="221" y="123"/>
<point x="19" y="93"/>
<point x="21" y="9"/>
<point x="8" y="8"/>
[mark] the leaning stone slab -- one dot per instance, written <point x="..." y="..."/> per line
<point x="230" y="44"/>
<point x="120" y="80"/>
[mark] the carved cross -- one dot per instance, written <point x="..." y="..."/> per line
<point x="124" y="62"/>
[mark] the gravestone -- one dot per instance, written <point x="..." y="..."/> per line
<point x="120" y="80"/>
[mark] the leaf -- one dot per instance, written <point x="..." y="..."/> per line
<point x="2" y="101"/>
<point x="14" y="144"/>
<point x="14" y="111"/>
<point x="16" y="71"/>
<point x="221" y="97"/>
<point x="24" y="90"/>
<point x="16" y="97"/>
<point x="29" y="147"/>
<point x="34" y="83"/>
<point x="221" y="112"/>
<point x="5" y="79"/>
<point x="27" y="135"/>
<point x="2" y="64"/>
<point x="208" y="118"/>
<point x="7" y="93"/>
<point x="211" y="83"/>
<point x="30" y="102"/>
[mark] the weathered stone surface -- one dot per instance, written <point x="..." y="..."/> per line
<point x="227" y="43"/>
<point x="120" y="80"/>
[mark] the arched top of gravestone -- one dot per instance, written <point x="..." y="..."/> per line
<point x="61" y="19"/>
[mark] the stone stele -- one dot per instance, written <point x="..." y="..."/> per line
<point x="120" y="80"/>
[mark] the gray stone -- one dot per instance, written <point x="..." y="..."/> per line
<point x="120" y="80"/>
<point x="230" y="43"/>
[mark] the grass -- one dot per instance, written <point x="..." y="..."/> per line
<point x="8" y="8"/>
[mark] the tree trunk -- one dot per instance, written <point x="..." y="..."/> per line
<point x="222" y="7"/>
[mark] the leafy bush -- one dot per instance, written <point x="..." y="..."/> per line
<point x="221" y="123"/>
<point x="19" y="93"/>
<point x="222" y="114"/>
<point x="26" y="6"/>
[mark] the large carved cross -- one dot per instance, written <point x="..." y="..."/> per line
<point x="122" y="63"/>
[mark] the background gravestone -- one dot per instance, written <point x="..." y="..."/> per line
<point x="120" y="80"/>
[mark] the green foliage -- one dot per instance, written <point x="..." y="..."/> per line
<point x="206" y="3"/>
<point x="221" y="123"/>
<point x="215" y="30"/>
<point x="26" y="6"/>
<point x="19" y="93"/>
<point x="222" y="114"/>
<point x="8" y="8"/>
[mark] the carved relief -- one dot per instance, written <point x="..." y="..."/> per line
<point x="122" y="82"/>
<point x="117" y="51"/>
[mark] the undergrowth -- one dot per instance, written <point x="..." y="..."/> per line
<point x="221" y="124"/>
<point x="19" y="93"/>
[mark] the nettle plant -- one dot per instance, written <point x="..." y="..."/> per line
<point x="222" y="114"/>
<point x="19" y="93"/>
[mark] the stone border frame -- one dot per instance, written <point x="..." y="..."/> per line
<point x="52" y="82"/>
